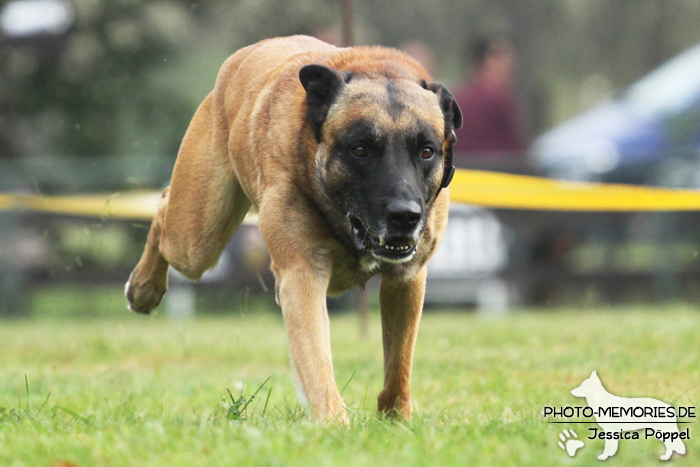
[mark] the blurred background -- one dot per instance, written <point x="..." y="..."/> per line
<point x="96" y="95"/>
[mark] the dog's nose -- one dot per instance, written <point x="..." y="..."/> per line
<point x="403" y="215"/>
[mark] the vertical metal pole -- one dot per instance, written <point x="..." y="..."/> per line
<point x="348" y="23"/>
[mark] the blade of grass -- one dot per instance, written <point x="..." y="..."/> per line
<point x="26" y="385"/>
<point x="233" y="401"/>
<point x="45" y="402"/>
<point x="68" y="411"/>
<point x="255" y="393"/>
<point x="266" y="401"/>
<point x="346" y="384"/>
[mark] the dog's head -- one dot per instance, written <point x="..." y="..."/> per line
<point x="380" y="161"/>
<point x="590" y="386"/>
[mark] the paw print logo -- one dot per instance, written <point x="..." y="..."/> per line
<point x="569" y="443"/>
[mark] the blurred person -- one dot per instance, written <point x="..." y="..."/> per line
<point x="489" y="106"/>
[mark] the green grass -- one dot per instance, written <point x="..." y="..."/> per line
<point x="142" y="391"/>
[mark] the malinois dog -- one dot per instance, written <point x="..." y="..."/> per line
<point x="344" y="154"/>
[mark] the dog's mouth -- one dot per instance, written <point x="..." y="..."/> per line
<point x="395" y="249"/>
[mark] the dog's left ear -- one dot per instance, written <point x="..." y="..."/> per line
<point x="453" y="121"/>
<point x="450" y="109"/>
<point x="322" y="85"/>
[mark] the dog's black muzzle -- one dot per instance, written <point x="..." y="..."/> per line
<point x="395" y="237"/>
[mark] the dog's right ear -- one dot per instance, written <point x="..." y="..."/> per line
<point x="322" y="85"/>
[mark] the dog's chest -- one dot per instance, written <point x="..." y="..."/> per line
<point x="349" y="272"/>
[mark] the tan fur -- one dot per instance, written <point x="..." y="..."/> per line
<point x="249" y="144"/>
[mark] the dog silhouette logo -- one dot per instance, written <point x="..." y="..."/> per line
<point x="621" y="418"/>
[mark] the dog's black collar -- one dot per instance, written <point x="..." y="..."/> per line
<point x="449" y="170"/>
<point x="447" y="177"/>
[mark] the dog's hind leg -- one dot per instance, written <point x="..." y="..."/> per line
<point x="673" y="445"/>
<point x="199" y="212"/>
<point x="149" y="280"/>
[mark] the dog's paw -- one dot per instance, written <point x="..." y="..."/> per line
<point x="569" y="442"/>
<point x="143" y="297"/>
<point x="395" y="406"/>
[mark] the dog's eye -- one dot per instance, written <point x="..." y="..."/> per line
<point x="359" y="151"/>
<point x="427" y="152"/>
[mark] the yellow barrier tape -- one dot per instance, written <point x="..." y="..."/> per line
<point x="137" y="206"/>
<point x="499" y="190"/>
<point x="6" y="202"/>
<point x="133" y="206"/>
<point x="490" y="189"/>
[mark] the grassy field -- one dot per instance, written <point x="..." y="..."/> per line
<point x="143" y="391"/>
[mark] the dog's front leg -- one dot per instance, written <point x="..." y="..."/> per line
<point x="302" y="266"/>
<point x="302" y="296"/>
<point x="609" y="450"/>
<point x="401" y="305"/>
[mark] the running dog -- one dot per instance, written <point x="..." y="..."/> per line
<point x="345" y="153"/>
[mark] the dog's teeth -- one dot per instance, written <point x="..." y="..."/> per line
<point x="399" y="248"/>
<point x="382" y="242"/>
